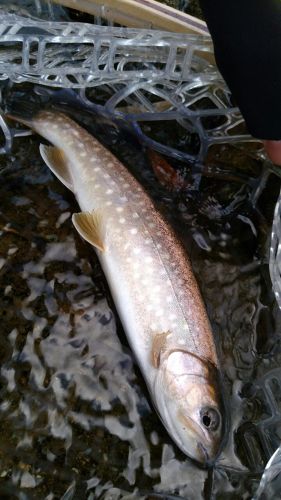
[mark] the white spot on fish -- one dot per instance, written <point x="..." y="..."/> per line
<point x="108" y="203"/>
<point x="137" y="251"/>
<point x="134" y="230"/>
<point x="122" y="220"/>
<point x="119" y="209"/>
<point x="110" y="164"/>
<point x="109" y="191"/>
<point x="172" y="316"/>
<point x="148" y="259"/>
<point x="135" y="215"/>
<point x="159" y="312"/>
<point x="83" y="153"/>
<point x="96" y="169"/>
<point x="169" y="299"/>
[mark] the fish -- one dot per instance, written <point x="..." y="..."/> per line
<point x="151" y="282"/>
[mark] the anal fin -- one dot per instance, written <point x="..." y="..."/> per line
<point x="91" y="226"/>
<point x="55" y="159"/>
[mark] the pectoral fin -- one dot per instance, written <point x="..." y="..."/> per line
<point x="91" y="226"/>
<point x="55" y="159"/>
<point x="158" y="347"/>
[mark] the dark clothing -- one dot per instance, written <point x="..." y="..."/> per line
<point x="247" y="42"/>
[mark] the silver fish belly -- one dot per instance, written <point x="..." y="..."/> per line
<point x="151" y="281"/>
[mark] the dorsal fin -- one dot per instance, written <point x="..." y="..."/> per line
<point x="55" y="159"/>
<point x="91" y="226"/>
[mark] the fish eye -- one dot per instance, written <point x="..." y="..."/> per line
<point x="210" y="418"/>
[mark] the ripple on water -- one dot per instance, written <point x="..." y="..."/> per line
<point x="75" y="418"/>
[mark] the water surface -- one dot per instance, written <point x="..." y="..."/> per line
<point x="76" y="420"/>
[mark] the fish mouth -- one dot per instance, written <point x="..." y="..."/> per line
<point x="208" y="459"/>
<point x="201" y="455"/>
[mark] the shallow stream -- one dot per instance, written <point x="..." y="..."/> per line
<point x="76" y="419"/>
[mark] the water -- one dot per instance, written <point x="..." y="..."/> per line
<point x="77" y="422"/>
<point x="76" y="418"/>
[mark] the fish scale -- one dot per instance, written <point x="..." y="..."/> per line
<point x="151" y="281"/>
<point x="106" y="181"/>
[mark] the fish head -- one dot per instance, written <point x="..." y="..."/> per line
<point x="189" y="400"/>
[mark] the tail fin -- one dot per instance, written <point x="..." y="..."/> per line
<point x="21" y="112"/>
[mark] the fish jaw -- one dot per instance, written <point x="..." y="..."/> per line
<point x="187" y="397"/>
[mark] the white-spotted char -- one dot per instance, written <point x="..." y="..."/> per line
<point x="151" y="281"/>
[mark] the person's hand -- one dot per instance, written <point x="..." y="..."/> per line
<point x="273" y="150"/>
